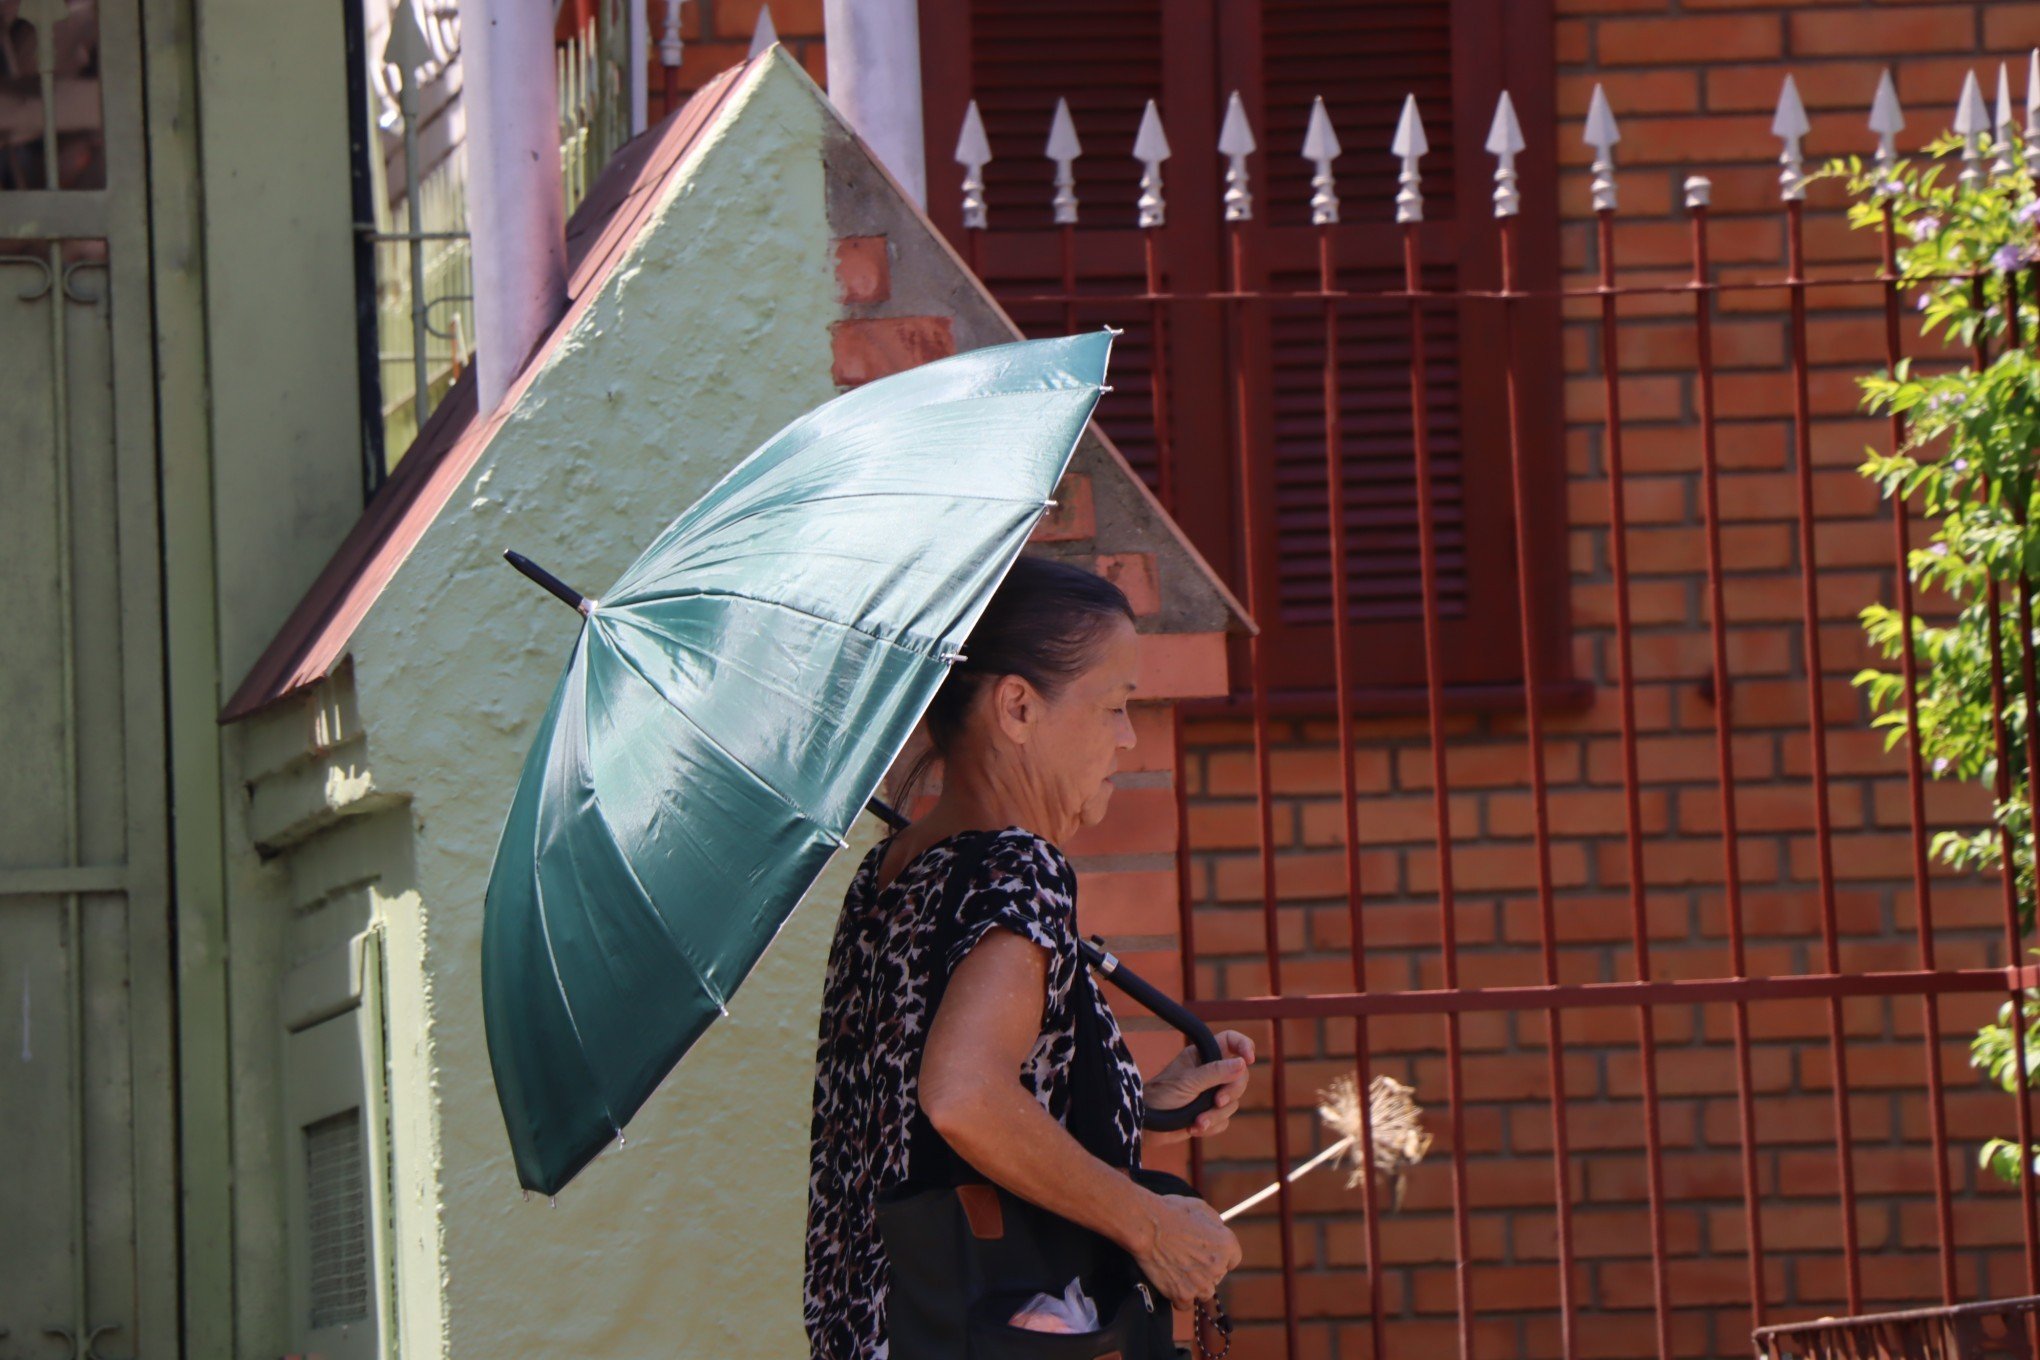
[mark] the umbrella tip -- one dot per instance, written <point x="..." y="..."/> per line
<point x="574" y="599"/>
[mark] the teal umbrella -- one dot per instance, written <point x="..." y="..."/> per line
<point x="729" y="706"/>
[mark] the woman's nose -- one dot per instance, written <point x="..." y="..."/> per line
<point x="1127" y="738"/>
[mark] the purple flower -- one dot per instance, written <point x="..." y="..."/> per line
<point x="1923" y="228"/>
<point x="1891" y="186"/>
<point x="1940" y="764"/>
<point x="2009" y="258"/>
<point x="1939" y="550"/>
<point x="1924" y="301"/>
<point x="2031" y="212"/>
<point x="1959" y="465"/>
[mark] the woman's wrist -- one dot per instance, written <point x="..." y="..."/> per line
<point x="1137" y="1228"/>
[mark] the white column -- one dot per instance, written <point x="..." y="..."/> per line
<point x="515" y="213"/>
<point x="874" y="51"/>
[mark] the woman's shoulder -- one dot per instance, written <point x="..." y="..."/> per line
<point x="1019" y="859"/>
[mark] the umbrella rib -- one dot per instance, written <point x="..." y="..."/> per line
<point x="711" y="592"/>
<point x="559" y="983"/>
<point x="727" y="754"/>
<point x="645" y="895"/>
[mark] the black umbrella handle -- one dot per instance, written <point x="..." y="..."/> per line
<point x="1175" y="1013"/>
<point x="1139" y="989"/>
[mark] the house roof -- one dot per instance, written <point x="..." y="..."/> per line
<point x="315" y="636"/>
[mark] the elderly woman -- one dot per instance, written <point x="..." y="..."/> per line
<point x="1029" y="727"/>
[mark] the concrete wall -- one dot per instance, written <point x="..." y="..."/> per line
<point x="707" y="339"/>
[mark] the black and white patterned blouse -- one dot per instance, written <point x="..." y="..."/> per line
<point x="874" y="1024"/>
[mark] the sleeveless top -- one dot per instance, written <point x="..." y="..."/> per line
<point x="874" y="1024"/>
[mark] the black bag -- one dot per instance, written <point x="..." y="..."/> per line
<point x="966" y="1254"/>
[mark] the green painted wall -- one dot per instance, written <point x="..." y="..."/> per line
<point x="709" y="337"/>
<point x="282" y="472"/>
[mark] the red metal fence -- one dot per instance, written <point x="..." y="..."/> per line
<point x="1334" y="1275"/>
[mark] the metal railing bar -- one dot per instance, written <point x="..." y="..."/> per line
<point x="1254" y="581"/>
<point x="1349" y="803"/>
<point x="1916" y="797"/>
<point x="1724" y="741"/>
<point x="1449" y="1001"/>
<point x="1441" y="792"/>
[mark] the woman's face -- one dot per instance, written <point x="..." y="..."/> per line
<point x="1076" y="741"/>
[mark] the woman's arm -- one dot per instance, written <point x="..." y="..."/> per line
<point x="987" y="1024"/>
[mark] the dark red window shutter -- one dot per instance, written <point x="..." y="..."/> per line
<point x="1016" y="57"/>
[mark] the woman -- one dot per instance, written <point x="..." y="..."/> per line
<point x="1028" y="726"/>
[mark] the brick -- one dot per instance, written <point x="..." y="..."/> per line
<point x="1182" y="665"/>
<point x="1673" y="42"/>
<point x="1633" y="92"/>
<point x="1073" y="518"/>
<point x="866" y="349"/>
<point x="863" y="269"/>
<point x="1140" y="821"/>
<point x="1898" y="31"/>
<point x="1846" y="85"/>
<point x="1153" y="738"/>
<point x="1134" y="574"/>
<point x="1128" y="902"/>
<point x="2009" y="28"/>
<point x="791" y="18"/>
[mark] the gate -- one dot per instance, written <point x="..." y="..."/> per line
<point x="1651" y="926"/>
<point x="88" y="1257"/>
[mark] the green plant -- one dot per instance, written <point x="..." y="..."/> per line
<point x="1966" y="465"/>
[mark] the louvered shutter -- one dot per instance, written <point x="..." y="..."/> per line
<point x="1016" y="57"/>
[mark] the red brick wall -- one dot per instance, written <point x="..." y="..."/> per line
<point x="1693" y="85"/>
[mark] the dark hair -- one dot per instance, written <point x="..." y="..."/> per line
<point x="1044" y="624"/>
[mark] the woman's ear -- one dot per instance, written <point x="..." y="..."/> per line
<point x="1016" y="707"/>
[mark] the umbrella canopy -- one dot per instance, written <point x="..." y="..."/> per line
<point x="730" y="704"/>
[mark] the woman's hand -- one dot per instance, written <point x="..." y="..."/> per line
<point x="1185" y="1078"/>
<point x="1191" y="1252"/>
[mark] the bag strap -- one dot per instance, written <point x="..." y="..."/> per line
<point x="930" y="1159"/>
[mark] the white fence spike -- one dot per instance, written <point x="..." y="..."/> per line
<point x="1151" y="148"/>
<point x="1972" y="125"/>
<point x="765" y="34"/>
<point x="1064" y="148"/>
<point x="669" y="35"/>
<point x="406" y="49"/>
<point x="1410" y="145"/>
<point x="1887" y="120"/>
<point x="1602" y="134"/>
<point x="1236" y="143"/>
<point x="1505" y="142"/>
<point x="1699" y="191"/>
<point x="2003" y="128"/>
<point x="2033" y="114"/>
<point x="1790" y="125"/>
<point x="1321" y="147"/>
<point x="973" y="153"/>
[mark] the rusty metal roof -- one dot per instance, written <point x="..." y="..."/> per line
<point x="315" y="637"/>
